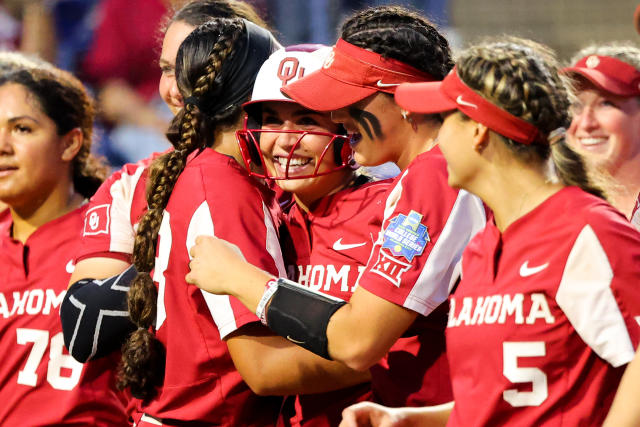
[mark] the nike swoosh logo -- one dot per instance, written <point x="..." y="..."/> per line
<point x="380" y="84"/>
<point x="339" y="246"/>
<point x="461" y="101"/>
<point x="294" y="341"/>
<point x="70" y="267"/>
<point x="525" y="270"/>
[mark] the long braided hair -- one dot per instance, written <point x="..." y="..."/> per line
<point x="521" y="77"/>
<point x="199" y="70"/>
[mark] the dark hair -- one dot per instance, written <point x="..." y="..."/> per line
<point x="398" y="33"/>
<point x="196" y="13"/>
<point x="64" y="99"/>
<point x="521" y="77"/>
<point x="200" y="72"/>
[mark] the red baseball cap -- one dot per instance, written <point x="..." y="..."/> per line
<point x="609" y="74"/>
<point x="453" y="94"/>
<point x="348" y="75"/>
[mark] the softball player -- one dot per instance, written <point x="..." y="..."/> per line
<point x="115" y="209"/>
<point x="425" y="224"/>
<point x="199" y="188"/>
<point x="326" y="222"/>
<point x="547" y="305"/>
<point x="606" y="117"/>
<point x="46" y="171"/>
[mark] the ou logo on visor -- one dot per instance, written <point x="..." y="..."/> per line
<point x="288" y="69"/>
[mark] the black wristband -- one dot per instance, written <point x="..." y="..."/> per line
<point x="302" y="315"/>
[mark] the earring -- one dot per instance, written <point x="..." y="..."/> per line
<point x="405" y="116"/>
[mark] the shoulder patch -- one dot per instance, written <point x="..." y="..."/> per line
<point x="96" y="220"/>
<point x="406" y="236"/>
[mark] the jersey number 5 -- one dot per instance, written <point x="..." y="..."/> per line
<point x="57" y="360"/>
<point x="511" y="351"/>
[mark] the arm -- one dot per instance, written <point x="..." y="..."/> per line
<point x="624" y="410"/>
<point x="374" y="415"/>
<point x="97" y="268"/>
<point x="376" y="334"/>
<point x="260" y="358"/>
<point x="95" y="317"/>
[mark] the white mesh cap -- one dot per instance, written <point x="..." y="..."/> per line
<point x="283" y="67"/>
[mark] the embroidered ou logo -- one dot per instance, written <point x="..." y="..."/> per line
<point x="592" y="61"/>
<point x="289" y="68"/>
<point x="329" y="60"/>
<point x="94" y="220"/>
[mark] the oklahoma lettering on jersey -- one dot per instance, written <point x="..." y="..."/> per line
<point x="114" y="211"/>
<point x="40" y="383"/>
<point x="32" y="302"/>
<point x="213" y="196"/>
<point x="543" y="320"/>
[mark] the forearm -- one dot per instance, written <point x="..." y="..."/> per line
<point x="259" y="358"/>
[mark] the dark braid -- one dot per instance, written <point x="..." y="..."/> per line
<point x="198" y="66"/>
<point x="521" y="77"/>
<point x="398" y="33"/>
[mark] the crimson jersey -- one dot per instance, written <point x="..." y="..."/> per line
<point x="213" y="196"/>
<point x="414" y="263"/>
<point x="635" y="216"/>
<point x="113" y="212"/>
<point x="40" y="383"/>
<point x="332" y="243"/>
<point x="544" y="319"/>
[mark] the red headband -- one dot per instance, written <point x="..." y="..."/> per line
<point x="609" y="74"/>
<point x="350" y="74"/>
<point x="453" y="94"/>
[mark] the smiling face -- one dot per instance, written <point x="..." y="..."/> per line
<point x="168" y="88"/>
<point x="605" y="128"/>
<point x="307" y="150"/>
<point x="31" y="150"/>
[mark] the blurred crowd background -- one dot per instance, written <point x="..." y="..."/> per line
<point x="113" y="45"/>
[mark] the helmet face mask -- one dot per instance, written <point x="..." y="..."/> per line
<point x="290" y="158"/>
<point x="337" y="149"/>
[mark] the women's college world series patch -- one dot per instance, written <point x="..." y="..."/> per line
<point x="406" y="236"/>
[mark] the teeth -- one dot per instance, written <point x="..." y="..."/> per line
<point x="296" y="161"/>
<point x="592" y="141"/>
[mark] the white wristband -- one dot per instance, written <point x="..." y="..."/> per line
<point x="271" y="287"/>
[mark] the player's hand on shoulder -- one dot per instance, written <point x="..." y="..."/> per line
<point x="213" y="261"/>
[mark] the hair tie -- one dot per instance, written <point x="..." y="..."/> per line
<point x="193" y="101"/>
<point x="557" y="135"/>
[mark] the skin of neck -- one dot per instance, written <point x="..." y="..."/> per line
<point x="416" y="139"/>
<point x="58" y="201"/>
<point x="226" y="143"/>
<point x="510" y="187"/>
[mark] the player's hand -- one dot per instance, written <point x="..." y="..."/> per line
<point x="368" y="414"/>
<point x="213" y="264"/>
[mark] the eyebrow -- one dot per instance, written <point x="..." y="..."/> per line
<point x="23" y="117"/>
<point x="300" y="112"/>
<point x="163" y="62"/>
